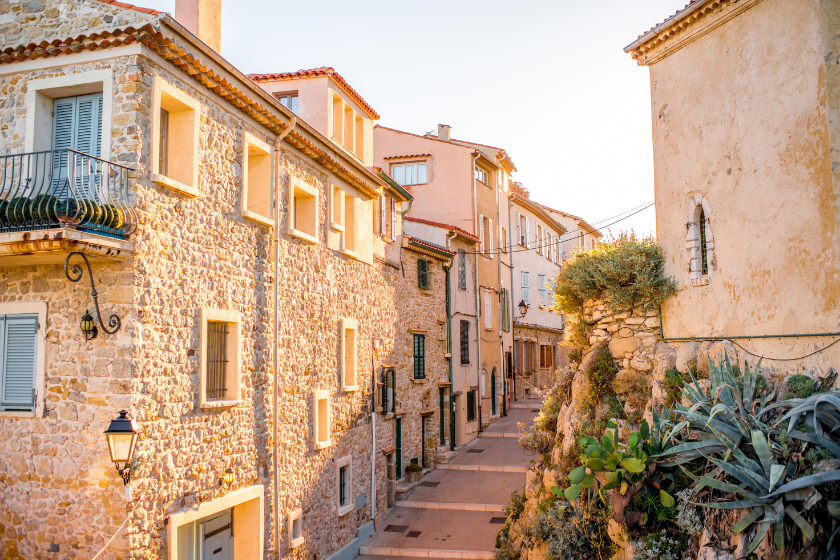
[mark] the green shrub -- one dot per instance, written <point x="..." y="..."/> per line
<point x="800" y="387"/>
<point x="623" y="272"/>
<point x="413" y="467"/>
<point x="575" y="354"/>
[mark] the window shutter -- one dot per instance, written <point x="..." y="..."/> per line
<point x="393" y="219"/>
<point x="481" y="232"/>
<point x="527" y="232"/>
<point x="383" y="377"/>
<point x="526" y="289"/>
<point x="490" y="235"/>
<point x="383" y="225"/>
<point x="541" y="288"/>
<point x="89" y="123"/>
<point x="423" y="273"/>
<point x="419" y="356"/>
<point x="488" y="313"/>
<point x="462" y="269"/>
<point x="519" y="228"/>
<point x="18" y="336"/>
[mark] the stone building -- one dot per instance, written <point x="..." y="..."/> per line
<point x="127" y="138"/>
<point x="745" y="112"/>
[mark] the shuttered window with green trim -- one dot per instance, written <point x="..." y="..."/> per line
<point x="419" y="356"/>
<point x="19" y="351"/>
<point x="423" y="274"/>
<point x="389" y="383"/>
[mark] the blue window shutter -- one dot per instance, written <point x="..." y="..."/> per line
<point x="20" y="349"/>
<point x="89" y="124"/>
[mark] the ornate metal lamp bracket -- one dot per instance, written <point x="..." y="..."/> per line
<point x="113" y="321"/>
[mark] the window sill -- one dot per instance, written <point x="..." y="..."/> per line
<point x="303" y="235"/>
<point x="336" y="226"/>
<point x="486" y="256"/>
<point x="219" y="404"/>
<point x="174" y="185"/>
<point x="344" y="510"/>
<point x="18" y="414"/>
<point x="258" y="218"/>
<point x="349" y="388"/>
<point x="297" y="542"/>
<point x="418" y="380"/>
<point x="323" y="444"/>
<point x="350" y="254"/>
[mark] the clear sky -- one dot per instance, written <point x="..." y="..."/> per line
<point x="548" y="81"/>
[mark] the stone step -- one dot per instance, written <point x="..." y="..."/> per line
<point x="452" y="505"/>
<point x="486" y="468"/>
<point x="500" y="434"/>
<point x="428" y="553"/>
<point x="446" y="456"/>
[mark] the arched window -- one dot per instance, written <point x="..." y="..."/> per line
<point x="704" y="250"/>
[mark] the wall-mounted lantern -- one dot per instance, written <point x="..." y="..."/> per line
<point x="523" y="308"/>
<point x="88" y="327"/>
<point x="228" y="478"/>
<point x="122" y="437"/>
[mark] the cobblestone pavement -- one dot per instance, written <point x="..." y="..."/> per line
<point x="456" y="510"/>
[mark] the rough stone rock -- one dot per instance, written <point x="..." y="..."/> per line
<point x="621" y="346"/>
<point x="710" y="552"/>
<point x="539" y="552"/>
<point x="641" y="364"/>
<point x="635" y="321"/>
<point x="724" y="347"/>
<point x="686" y="356"/>
<point x="664" y="358"/>
<point x="703" y="353"/>
<point x="552" y="477"/>
<point x="532" y="484"/>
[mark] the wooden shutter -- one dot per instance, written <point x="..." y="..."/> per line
<point x="89" y="123"/>
<point x="481" y="232"/>
<point x="519" y="228"/>
<point x="541" y="288"/>
<point x="19" y="340"/>
<point x="526" y="288"/>
<point x="393" y="219"/>
<point x="490" y="235"/>
<point x="527" y="232"/>
<point x="383" y="378"/>
<point x="423" y="274"/>
<point x="419" y="356"/>
<point x="488" y="312"/>
<point x="383" y="224"/>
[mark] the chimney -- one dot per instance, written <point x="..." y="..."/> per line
<point x="443" y="132"/>
<point x="203" y="18"/>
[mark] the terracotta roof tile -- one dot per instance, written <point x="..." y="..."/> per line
<point x="669" y="18"/>
<point x="313" y="73"/>
<point x="131" y="7"/>
<point x="441" y="225"/>
<point x="430" y="245"/>
<point x="409" y="156"/>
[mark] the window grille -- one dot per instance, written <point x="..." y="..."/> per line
<point x="217" y="362"/>
<point x="342" y="486"/>
<point x="419" y="356"/>
<point x="470" y="406"/>
<point x="704" y="255"/>
<point x="465" y="342"/>
<point x="423" y="274"/>
<point x="462" y="269"/>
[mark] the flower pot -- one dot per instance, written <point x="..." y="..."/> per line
<point x="414" y="476"/>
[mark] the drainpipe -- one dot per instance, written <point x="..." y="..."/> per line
<point x="373" y="433"/>
<point x="475" y="289"/>
<point x="512" y="303"/>
<point x="275" y="172"/>
<point x="501" y="331"/>
<point x="407" y="210"/>
<point x="449" y="237"/>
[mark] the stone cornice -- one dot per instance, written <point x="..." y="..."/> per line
<point x="680" y="31"/>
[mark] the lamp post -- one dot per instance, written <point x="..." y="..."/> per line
<point x="122" y="437"/>
<point x="523" y="308"/>
<point x="89" y="330"/>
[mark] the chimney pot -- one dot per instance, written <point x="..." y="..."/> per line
<point x="203" y="18"/>
<point x="443" y="132"/>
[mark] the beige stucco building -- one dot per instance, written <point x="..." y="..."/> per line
<point x="158" y="161"/>
<point x="744" y="110"/>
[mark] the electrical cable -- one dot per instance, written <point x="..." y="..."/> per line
<point x="824" y="348"/>
<point x="127" y="517"/>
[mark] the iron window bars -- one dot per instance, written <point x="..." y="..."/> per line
<point x="217" y="362"/>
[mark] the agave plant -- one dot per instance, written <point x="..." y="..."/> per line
<point x="769" y="499"/>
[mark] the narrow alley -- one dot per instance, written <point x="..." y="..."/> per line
<point x="456" y="510"/>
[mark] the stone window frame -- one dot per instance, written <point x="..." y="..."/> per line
<point x="296" y="516"/>
<point x="298" y="188"/>
<point x="321" y="419"/>
<point x="32" y="308"/>
<point x="256" y="177"/>
<point x="692" y="241"/>
<point x="349" y="383"/>
<point x="234" y="373"/>
<point x="248" y="506"/>
<point x="168" y="97"/>
<point x="40" y="93"/>
<point x="349" y="506"/>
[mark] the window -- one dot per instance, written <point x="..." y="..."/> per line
<point x="296" y="528"/>
<point x="393" y="219"/>
<point x="539" y="239"/>
<point x="470" y="406"/>
<point x="22" y="362"/>
<point x="550" y="289"/>
<point x="704" y="253"/>
<point x="485" y="235"/>
<point x="504" y="241"/>
<point x="175" y="133"/>
<point x="344" y="485"/>
<point x="541" y="287"/>
<point x="504" y="310"/>
<point x="419" y="356"/>
<point x="488" y="312"/>
<point x="462" y="270"/>
<point x="423" y="274"/>
<point x="337" y="208"/>
<point x="220" y="362"/>
<point x="288" y="100"/>
<point x="338" y="119"/>
<point x="303" y="211"/>
<point x="465" y="342"/>
<point x="348" y="238"/>
<point x="409" y="173"/>
<point x="546" y="356"/>
<point x="256" y="180"/>
<point x="700" y="242"/>
<point x="389" y="383"/>
<point x="526" y="289"/>
<point x="481" y="175"/>
<point x="321" y="419"/>
<point x="348" y="127"/>
<point x="349" y="329"/>
<point x="522" y="229"/>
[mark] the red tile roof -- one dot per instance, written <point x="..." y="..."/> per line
<point x="131" y="7"/>
<point x="440" y="225"/>
<point x="669" y="18"/>
<point x="407" y="157"/>
<point x="313" y="73"/>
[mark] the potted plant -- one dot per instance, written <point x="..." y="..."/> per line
<point x="413" y="471"/>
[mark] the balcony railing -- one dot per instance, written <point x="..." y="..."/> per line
<point x="65" y="189"/>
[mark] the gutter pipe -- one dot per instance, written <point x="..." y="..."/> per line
<point x="449" y="237"/>
<point x="373" y="433"/>
<point x="510" y="311"/>
<point x="501" y="330"/>
<point x="275" y="172"/>
<point x="476" y="155"/>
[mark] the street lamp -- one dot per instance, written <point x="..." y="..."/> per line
<point x="122" y="436"/>
<point x="523" y="308"/>
<point x="89" y="330"/>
